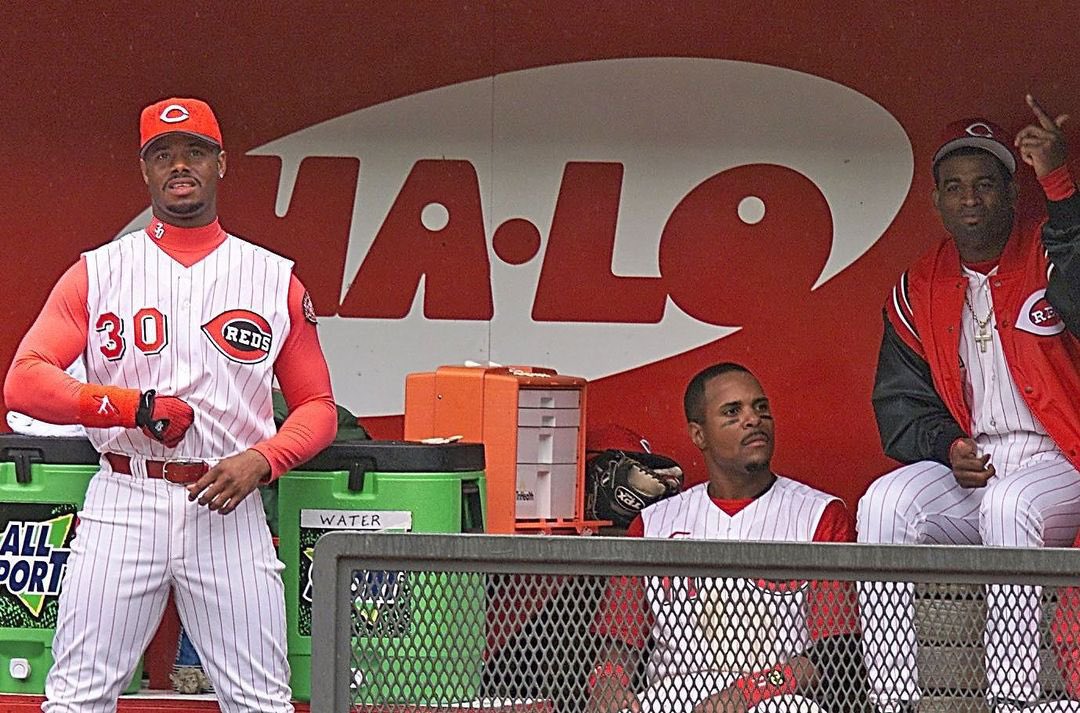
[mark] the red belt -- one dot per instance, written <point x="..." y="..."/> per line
<point x="183" y="472"/>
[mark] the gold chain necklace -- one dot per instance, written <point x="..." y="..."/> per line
<point x="982" y="337"/>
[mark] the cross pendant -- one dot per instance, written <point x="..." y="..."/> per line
<point x="982" y="339"/>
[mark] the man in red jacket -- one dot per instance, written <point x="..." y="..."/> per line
<point x="978" y="391"/>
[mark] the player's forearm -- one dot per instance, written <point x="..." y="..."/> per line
<point x="797" y="675"/>
<point x="913" y="421"/>
<point x="1061" y="238"/>
<point x="309" y="428"/>
<point x="40" y="389"/>
<point x="304" y="378"/>
<point x="806" y="674"/>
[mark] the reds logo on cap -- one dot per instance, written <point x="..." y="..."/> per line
<point x="980" y="128"/>
<point x="174" y="114"/>
<point x="241" y="335"/>
<point x="1037" y="316"/>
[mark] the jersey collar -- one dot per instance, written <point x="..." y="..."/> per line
<point x="186" y="245"/>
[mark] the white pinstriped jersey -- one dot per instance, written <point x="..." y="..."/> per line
<point x="208" y="333"/>
<point x="736" y="626"/>
<point x="1002" y="423"/>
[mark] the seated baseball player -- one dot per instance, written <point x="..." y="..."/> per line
<point x="977" y="393"/>
<point x="729" y="644"/>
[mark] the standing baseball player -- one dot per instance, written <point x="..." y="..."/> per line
<point x="978" y="390"/>
<point x="727" y="644"/>
<point x="183" y="328"/>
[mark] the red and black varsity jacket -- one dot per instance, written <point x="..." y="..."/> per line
<point x="919" y="388"/>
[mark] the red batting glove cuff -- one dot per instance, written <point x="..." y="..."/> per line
<point x="1058" y="184"/>
<point x="164" y="418"/>
<point x="107" y="406"/>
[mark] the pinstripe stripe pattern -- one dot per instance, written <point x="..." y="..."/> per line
<point x="997" y="408"/>
<point x="1034" y="501"/>
<point x="137" y="537"/>
<point x="232" y="401"/>
<point x="789" y="511"/>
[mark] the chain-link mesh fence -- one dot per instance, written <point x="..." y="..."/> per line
<point x="557" y="625"/>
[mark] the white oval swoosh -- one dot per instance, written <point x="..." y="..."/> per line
<point x="671" y="122"/>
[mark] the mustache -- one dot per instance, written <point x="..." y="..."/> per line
<point x="755" y="434"/>
<point x="186" y="175"/>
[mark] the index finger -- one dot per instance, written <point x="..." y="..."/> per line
<point x="1040" y="114"/>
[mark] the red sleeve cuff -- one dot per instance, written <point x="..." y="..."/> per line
<point x="1058" y="184"/>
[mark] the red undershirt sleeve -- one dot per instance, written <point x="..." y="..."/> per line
<point x="1058" y="184"/>
<point x="833" y="606"/>
<point x="304" y="379"/>
<point x="36" y="383"/>
<point x="623" y="613"/>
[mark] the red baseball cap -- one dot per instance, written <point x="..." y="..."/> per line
<point x="177" y="115"/>
<point x="980" y="134"/>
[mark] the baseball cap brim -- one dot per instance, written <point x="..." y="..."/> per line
<point x="999" y="150"/>
<point x="208" y="139"/>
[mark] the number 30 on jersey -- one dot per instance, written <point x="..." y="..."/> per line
<point x="150" y="333"/>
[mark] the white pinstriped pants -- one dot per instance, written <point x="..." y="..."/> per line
<point x="136" y="538"/>
<point x="1034" y="503"/>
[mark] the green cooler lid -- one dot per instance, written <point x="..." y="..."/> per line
<point x="399" y="457"/>
<point x="62" y="450"/>
<point x="59" y="450"/>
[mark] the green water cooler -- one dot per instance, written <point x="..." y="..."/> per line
<point x="418" y="637"/>
<point x="43" y="483"/>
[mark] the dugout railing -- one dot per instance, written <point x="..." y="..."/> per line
<point x="426" y="622"/>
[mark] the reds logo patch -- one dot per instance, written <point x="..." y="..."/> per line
<point x="240" y="335"/>
<point x="1037" y="316"/>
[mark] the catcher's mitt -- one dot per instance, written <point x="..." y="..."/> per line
<point x="619" y="484"/>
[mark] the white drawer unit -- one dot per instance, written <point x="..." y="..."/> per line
<point x="549" y="417"/>
<point x="545" y="492"/>
<point x="549" y="423"/>
<point x="549" y="398"/>
<point x="547" y="445"/>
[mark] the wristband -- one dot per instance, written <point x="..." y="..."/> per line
<point x="763" y="685"/>
<point x="609" y="670"/>
<point x="107" y="406"/>
<point x="1058" y="184"/>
